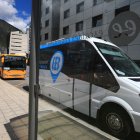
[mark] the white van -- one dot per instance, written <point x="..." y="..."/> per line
<point x="96" y="78"/>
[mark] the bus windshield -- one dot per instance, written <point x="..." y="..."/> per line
<point x="119" y="61"/>
<point x="15" y="62"/>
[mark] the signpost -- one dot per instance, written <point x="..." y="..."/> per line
<point x="34" y="70"/>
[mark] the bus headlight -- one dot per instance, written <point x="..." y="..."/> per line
<point x="4" y="75"/>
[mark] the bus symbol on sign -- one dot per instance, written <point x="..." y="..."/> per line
<point x="56" y="62"/>
<point x="56" y="65"/>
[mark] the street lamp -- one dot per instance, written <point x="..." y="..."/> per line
<point x="34" y="70"/>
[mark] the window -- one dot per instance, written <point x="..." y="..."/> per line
<point x="16" y="46"/>
<point x="15" y="50"/>
<point x="96" y="2"/>
<point x="46" y="36"/>
<point x="47" y="10"/>
<point x="121" y="64"/>
<point x="121" y="10"/>
<point x="66" y="30"/>
<point x="17" y="38"/>
<point x="84" y="63"/>
<point x="97" y="21"/>
<point x="66" y="13"/>
<point x="79" y="26"/>
<point x="80" y="7"/>
<point x="102" y="76"/>
<point x="15" y="42"/>
<point x="66" y="1"/>
<point x="46" y="23"/>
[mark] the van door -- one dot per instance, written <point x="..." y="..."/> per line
<point x="82" y="59"/>
<point x="103" y="83"/>
<point x="93" y="79"/>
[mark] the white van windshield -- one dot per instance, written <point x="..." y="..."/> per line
<point x="118" y="60"/>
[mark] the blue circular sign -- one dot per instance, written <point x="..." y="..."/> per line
<point x="56" y="65"/>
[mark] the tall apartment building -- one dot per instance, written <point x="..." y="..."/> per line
<point x="50" y="21"/>
<point x="19" y="43"/>
<point x="88" y="17"/>
<point x="5" y="30"/>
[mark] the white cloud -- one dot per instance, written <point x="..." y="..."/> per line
<point x="24" y="13"/>
<point x="10" y="1"/>
<point x="9" y="13"/>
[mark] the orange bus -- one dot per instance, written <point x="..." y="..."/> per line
<point x="12" y="66"/>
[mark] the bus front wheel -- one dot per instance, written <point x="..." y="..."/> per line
<point x="116" y="122"/>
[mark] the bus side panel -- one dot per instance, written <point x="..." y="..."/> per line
<point x="81" y="96"/>
<point x="0" y="66"/>
<point x="84" y="80"/>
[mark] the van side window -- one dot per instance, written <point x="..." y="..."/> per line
<point x="77" y="63"/>
<point x="102" y="76"/>
<point x="81" y="61"/>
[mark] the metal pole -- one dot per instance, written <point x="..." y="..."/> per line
<point x="34" y="74"/>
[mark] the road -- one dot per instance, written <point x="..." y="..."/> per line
<point x="20" y="83"/>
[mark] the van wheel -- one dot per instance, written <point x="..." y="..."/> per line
<point x="116" y="122"/>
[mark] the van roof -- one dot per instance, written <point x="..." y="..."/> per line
<point x="93" y="39"/>
<point x="72" y="39"/>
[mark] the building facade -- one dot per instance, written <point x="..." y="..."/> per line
<point x="93" y="18"/>
<point x="5" y="30"/>
<point x="19" y="43"/>
<point x="50" y="20"/>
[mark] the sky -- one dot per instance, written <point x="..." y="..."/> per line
<point x="16" y="12"/>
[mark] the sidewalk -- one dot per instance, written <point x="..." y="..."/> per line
<point x="14" y="103"/>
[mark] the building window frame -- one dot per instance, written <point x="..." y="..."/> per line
<point x="46" y="36"/>
<point x="97" y="21"/>
<point x="80" y="7"/>
<point x="122" y="9"/>
<point x="66" y="30"/>
<point x="94" y="2"/>
<point x="66" y="13"/>
<point x="46" y="23"/>
<point x="66" y="1"/>
<point x="97" y="2"/>
<point x="79" y="26"/>
<point x="47" y="10"/>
